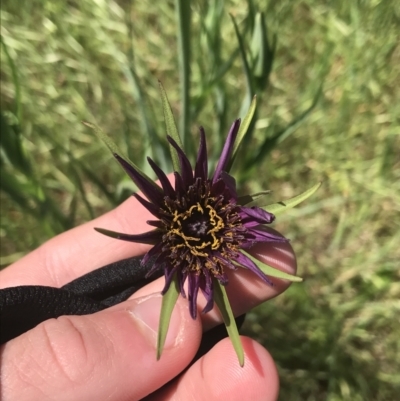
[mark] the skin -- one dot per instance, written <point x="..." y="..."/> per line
<point x="111" y="355"/>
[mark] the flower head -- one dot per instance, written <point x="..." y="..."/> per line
<point x="200" y="229"/>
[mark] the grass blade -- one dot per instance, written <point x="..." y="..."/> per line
<point x="183" y="10"/>
<point x="246" y="67"/>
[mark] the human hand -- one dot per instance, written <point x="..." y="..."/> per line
<point x="112" y="354"/>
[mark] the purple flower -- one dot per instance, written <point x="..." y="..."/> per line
<point x="200" y="229"/>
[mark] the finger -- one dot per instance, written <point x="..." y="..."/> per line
<point x="110" y="355"/>
<point x="81" y="249"/>
<point x="218" y="376"/>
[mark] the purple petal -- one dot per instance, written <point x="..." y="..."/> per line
<point x="187" y="173"/>
<point x="225" y="262"/>
<point x="261" y="235"/>
<point x="169" y="274"/>
<point x="193" y="290"/>
<point x="222" y="278"/>
<point x="150" y="237"/>
<point x="247" y="262"/>
<point x="154" y="210"/>
<point x="167" y="187"/>
<point x="152" y="193"/>
<point x="230" y="184"/>
<point x="252" y="215"/>
<point x="218" y="188"/>
<point x="201" y="168"/>
<point x="156" y="223"/>
<point x="182" y="279"/>
<point x="155" y="251"/>
<point x="207" y="289"/>
<point x="227" y="150"/>
<point x="179" y="185"/>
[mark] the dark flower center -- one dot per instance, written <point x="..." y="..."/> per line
<point x="197" y="229"/>
<point x="201" y="230"/>
<point x="196" y="225"/>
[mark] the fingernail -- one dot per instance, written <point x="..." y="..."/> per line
<point x="146" y="312"/>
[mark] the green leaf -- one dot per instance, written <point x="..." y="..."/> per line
<point x="258" y="45"/>
<point x="12" y="145"/>
<point x="222" y="301"/>
<point x="113" y="147"/>
<point x="244" y="126"/>
<point x="254" y="199"/>
<point x="280" y="207"/>
<point x="184" y="17"/>
<point x="246" y="67"/>
<point x="271" y="271"/>
<point x="17" y="87"/>
<point x="167" y="306"/>
<point x="172" y="131"/>
<point x="262" y="52"/>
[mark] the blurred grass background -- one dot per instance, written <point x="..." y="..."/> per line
<point x="335" y="336"/>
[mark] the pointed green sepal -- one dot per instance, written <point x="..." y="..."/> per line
<point x="244" y="126"/>
<point x="106" y="139"/>
<point x="272" y="272"/>
<point x="114" y="149"/>
<point x="254" y="199"/>
<point x="168" y="303"/>
<point x="280" y="207"/>
<point x="172" y="131"/>
<point x="222" y="301"/>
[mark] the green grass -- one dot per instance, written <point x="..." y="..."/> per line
<point x="334" y="337"/>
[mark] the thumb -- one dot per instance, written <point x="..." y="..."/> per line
<point x="108" y="355"/>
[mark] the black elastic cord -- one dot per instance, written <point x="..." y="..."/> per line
<point x="24" y="307"/>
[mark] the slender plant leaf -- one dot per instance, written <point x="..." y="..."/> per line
<point x="246" y="67"/>
<point x="280" y="207"/>
<point x="262" y="53"/>
<point x="140" y="95"/>
<point x="32" y="199"/>
<point x="16" y="191"/>
<point x="11" y="143"/>
<point x="258" y="45"/>
<point x="183" y="12"/>
<point x="112" y="146"/>
<point x="167" y="306"/>
<point x="172" y="131"/>
<point x="222" y="301"/>
<point x="244" y="126"/>
<point x="271" y="271"/>
<point x="253" y="199"/>
<point x="17" y="87"/>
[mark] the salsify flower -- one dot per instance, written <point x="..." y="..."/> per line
<point x="200" y="231"/>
